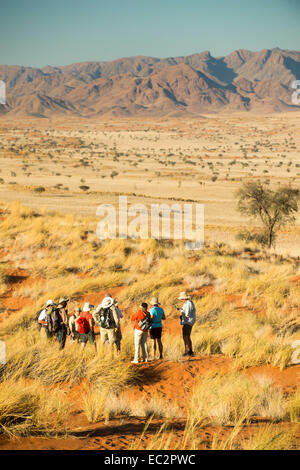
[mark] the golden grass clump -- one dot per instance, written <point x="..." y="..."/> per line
<point x="231" y="399"/>
<point x="268" y="438"/>
<point x="32" y="409"/>
<point x="101" y="403"/>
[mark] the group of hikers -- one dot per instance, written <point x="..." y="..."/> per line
<point x="55" y="321"/>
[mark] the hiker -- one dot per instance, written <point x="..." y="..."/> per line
<point x="74" y="327"/>
<point x="142" y="324"/>
<point x="187" y="320"/>
<point x="157" y="314"/>
<point x="85" y="323"/>
<point x="106" y="315"/>
<point x="60" y="321"/>
<point x="118" y="327"/>
<point x="44" y="320"/>
<point x="118" y="332"/>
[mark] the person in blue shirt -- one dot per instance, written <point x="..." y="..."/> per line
<point x="157" y="315"/>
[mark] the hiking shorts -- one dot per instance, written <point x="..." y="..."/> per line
<point x="108" y="334"/>
<point x="155" y="333"/>
<point x="186" y="330"/>
<point x="75" y="336"/>
<point x="87" y="337"/>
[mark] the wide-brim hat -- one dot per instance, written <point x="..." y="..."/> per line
<point x="110" y="296"/>
<point x="107" y="302"/>
<point x="87" y="307"/>
<point x="183" y="296"/>
<point x="63" y="300"/>
<point x="50" y="303"/>
<point x="154" y="301"/>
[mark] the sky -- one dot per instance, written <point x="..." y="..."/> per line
<point x="60" y="32"/>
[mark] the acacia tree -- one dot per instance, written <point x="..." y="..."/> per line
<point x="274" y="208"/>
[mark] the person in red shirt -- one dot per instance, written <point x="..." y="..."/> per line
<point x="88" y="335"/>
<point x="140" y="336"/>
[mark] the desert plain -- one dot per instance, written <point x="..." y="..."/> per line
<point x="240" y="390"/>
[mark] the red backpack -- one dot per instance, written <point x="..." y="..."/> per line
<point x="84" y="326"/>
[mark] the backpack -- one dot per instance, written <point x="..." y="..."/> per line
<point x="56" y="321"/>
<point x="106" y="318"/>
<point x="84" y="326"/>
<point x="145" y="323"/>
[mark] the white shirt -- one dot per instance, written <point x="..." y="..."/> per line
<point x="188" y="313"/>
<point x="43" y="316"/>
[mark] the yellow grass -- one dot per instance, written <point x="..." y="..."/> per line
<point x="64" y="257"/>
<point x="231" y="399"/>
<point x="31" y="408"/>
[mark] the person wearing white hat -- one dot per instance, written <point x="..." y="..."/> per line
<point x="44" y="320"/>
<point x="187" y="320"/>
<point x="106" y="315"/>
<point x="119" y="316"/>
<point x="85" y="323"/>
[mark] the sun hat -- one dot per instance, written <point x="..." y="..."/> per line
<point x="114" y="300"/>
<point x="50" y="303"/>
<point x="154" y="301"/>
<point x="183" y="296"/>
<point x="107" y="302"/>
<point x="63" y="299"/>
<point x="87" y="307"/>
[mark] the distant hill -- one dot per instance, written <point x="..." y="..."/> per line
<point x="175" y="86"/>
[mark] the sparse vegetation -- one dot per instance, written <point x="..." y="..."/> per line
<point x="274" y="208"/>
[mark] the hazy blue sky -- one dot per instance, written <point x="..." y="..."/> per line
<point x="59" y="32"/>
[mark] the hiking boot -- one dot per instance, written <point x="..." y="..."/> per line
<point x="190" y="353"/>
<point x="160" y="357"/>
<point x="134" y="362"/>
<point x="186" y="353"/>
<point x="145" y="360"/>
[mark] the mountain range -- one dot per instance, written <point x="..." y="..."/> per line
<point x="148" y="86"/>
